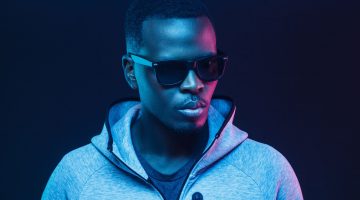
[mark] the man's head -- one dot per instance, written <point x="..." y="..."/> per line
<point x="162" y="30"/>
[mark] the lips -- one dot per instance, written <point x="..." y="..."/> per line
<point x="193" y="105"/>
<point x="192" y="113"/>
<point x="193" y="109"/>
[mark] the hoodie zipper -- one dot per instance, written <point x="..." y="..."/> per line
<point x="187" y="177"/>
<point x="138" y="175"/>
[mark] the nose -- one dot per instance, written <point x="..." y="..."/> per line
<point x="192" y="83"/>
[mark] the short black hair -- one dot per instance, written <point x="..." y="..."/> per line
<point x="141" y="10"/>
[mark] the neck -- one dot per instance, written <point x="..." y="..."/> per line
<point x="152" y="137"/>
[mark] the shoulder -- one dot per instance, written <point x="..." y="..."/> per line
<point x="83" y="157"/>
<point x="267" y="167"/>
<point x="262" y="154"/>
<point x="256" y="157"/>
<point x="72" y="172"/>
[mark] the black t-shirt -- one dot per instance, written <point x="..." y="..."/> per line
<point x="168" y="185"/>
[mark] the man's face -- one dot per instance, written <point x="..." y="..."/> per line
<point x="176" y="39"/>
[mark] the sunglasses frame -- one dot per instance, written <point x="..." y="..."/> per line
<point x="190" y="64"/>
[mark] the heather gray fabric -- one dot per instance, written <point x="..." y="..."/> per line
<point x="232" y="165"/>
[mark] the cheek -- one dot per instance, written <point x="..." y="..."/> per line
<point x="152" y="95"/>
<point x="146" y="81"/>
<point x="210" y="88"/>
<point x="143" y="75"/>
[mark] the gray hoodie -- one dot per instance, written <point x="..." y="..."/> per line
<point x="232" y="166"/>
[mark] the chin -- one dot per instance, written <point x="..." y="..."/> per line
<point x="187" y="127"/>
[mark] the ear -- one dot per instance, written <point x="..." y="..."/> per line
<point x="128" y="67"/>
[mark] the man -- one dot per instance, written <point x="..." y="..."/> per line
<point x="177" y="141"/>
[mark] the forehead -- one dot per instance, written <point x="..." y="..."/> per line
<point x="178" y="38"/>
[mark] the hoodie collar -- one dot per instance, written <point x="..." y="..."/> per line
<point x="116" y="144"/>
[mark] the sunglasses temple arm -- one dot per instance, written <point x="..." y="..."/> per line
<point x="141" y="61"/>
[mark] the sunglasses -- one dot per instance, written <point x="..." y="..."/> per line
<point x="174" y="72"/>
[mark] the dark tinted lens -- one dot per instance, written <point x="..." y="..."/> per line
<point x="170" y="73"/>
<point x="211" y="69"/>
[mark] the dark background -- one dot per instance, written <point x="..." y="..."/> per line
<point x="293" y="74"/>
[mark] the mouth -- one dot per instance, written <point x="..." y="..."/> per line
<point x="193" y="109"/>
<point x="192" y="112"/>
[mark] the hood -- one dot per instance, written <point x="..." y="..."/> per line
<point x="114" y="141"/>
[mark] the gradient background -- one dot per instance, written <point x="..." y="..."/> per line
<point x="293" y="74"/>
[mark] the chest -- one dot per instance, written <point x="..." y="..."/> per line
<point x="220" y="182"/>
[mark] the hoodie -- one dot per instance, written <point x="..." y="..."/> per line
<point x="232" y="166"/>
